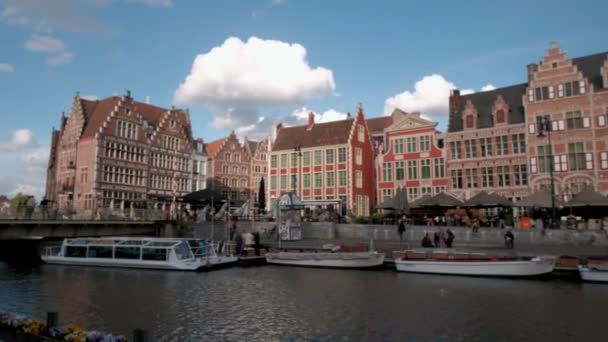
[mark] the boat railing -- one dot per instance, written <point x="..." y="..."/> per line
<point x="51" y="250"/>
<point x="214" y="249"/>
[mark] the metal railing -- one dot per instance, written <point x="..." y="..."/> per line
<point x="67" y="214"/>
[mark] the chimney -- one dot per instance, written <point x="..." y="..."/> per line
<point x="311" y="120"/>
<point x="532" y="68"/>
<point x="454" y="101"/>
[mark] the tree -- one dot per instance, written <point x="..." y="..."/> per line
<point x="261" y="197"/>
<point x="19" y="200"/>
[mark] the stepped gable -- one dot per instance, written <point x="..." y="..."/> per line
<point x="319" y="134"/>
<point x="214" y="147"/>
<point x="591" y="66"/>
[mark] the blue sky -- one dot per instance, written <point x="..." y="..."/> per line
<point x="381" y="53"/>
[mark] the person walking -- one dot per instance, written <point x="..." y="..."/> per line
<point x="501" y="218"/>
<point x="436" y="240"/>
<point x="450" y="239"/>
<point x="426" y="241"/>
<point x="44" y="208"/>
<point x="509" y="239"/>
<point x="401" y="230"/>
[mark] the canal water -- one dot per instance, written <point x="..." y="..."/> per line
<point x="273" y="303"/>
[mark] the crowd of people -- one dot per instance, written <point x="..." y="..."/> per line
<point x="440" y="239"/>
<point x="244" y="240"/>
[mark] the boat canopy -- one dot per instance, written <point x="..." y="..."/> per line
<point x="165" y="243"/>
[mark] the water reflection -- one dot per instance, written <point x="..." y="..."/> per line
<point x="298" y="304"/>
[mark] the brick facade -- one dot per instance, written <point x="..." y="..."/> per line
<point x="229" y="168"/>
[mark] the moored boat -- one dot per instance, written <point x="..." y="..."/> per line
<point x="471" y="264"/>
<point x="136" y="252"/>
<point x="331" y="257"/>
<point x="595" y="273"/>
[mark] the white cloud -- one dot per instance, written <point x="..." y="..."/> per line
<point x="238" y="77"/>
<point x="22" y="138"/>
<point x="58" y="54"/>
<point x="5" y="67"/>
<point x="40" y="43"/>
<point x="89" y="97"/>
<point x="430" y="97"/>
<point x="36" y="190"/>
<point x="36" y="161"/>
<point x="301" y="115"/>
<point x="488" y="87"/>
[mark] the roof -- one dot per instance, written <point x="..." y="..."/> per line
<point x="253" y="146"/>
<point x="484" y="101"/>
<point x="97" y="111"/>
<point x="214" y="147"/>
<point x="377" y="125"/>
<point x="589" y="65"/>
<point x="320" y="134"/>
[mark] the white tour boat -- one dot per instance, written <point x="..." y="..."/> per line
<point x="333" y="257"/>
<point x="591" y="272"/>
<point x="137" y="252"/>
<point x="474" y="264"/>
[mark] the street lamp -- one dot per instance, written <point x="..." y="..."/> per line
<point x="545" y="125"/>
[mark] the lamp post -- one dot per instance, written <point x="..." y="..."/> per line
<point x="545" y="125"/>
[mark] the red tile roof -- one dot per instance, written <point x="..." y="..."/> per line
<point x="321" y="134"/>
<point x="214" y="147"/>
<point x="377" y="125"/>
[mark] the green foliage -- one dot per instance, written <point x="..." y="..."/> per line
<point x="19" y="200"/>
<point x="377" y="218"/>
<point x="361" y="219"/>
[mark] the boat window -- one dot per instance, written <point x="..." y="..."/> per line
<point x="132" y="242"/>
<point x="77" y="242"/>
<point x="159" y="254"/>
<point x="75" y="252"/>
<point x="161" y="243"/>
<point x="100" y="252"/>
<point x="127" y="252"/>
<point x="182" y="251"/>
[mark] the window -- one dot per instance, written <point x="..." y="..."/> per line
<point x="399" y="170"/>
<point x="500" y="116"/>
<point x="544" y="158"/>
<point x="342" y="178"/>
<point x="439" y="189"/>
<point x="294" y="160"/>
<point x="425" y="168"/>
<point x="306" y="180"/>
<point x="318" y="180"/>
<point x="360" y="133"/>
<point x="426" y="190"/>
<point x="439" y="168"/>
<point x="329" y="179"/>
<point x="155" y="254"/>
<point x="306" y="158"/>
<point x="398" y="145"/>
<point x="412" y="193"/>
<point x="329" y="156"/>
<point x="100" y="252"/>
<point x="283" y="160"/>
<point x="485" y="147"/>
<point x="471" y="177"/>
<point x="521" y="174"/>
<point x="425" y="143"/>
<point x="411" y="144"/>
<point x="457" y="179"/>
<point x="126" y="130"/>
<point x="575" y="88"/>
<point x="412" y="169"/>
<point x="469" y="121"/>
<point x="273" y="161"/>
<point x="387" y="172"/>
<point x="502" y="147"/>
<point x="358" y="179"/>
<point x="576" y="156"/>
<point x="318" y="157"/>
<point x="487" y="177"/>
<point x="542" y="93"/>
<point x="127" y="252"/>
<point x="342" y="155"/>
<point x="455" y="150"/>
<point x="273" y="182"/>
<point x="470" y="149"/>
<point x="75" y="252"/>
<point x="504" y="178"/>
<point x="604" y="160"/>
<point x="283" y="184"/>
<point x="574" y="120"/>
<point x="387" y="194"/>
<point x="519" y="143"/>
<point x="358" y="156"/>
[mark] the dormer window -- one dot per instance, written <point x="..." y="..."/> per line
<point x="469" y="121"/>
<point x="500" y="116"/>
<point x="554" y="65"/>
<point x="172" y="123"/>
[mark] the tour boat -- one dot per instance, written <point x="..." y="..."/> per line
<point x="332" y="257"/>
<point x="597" y="273"/>
<point x="137" y="252"/>
<point x="471" y="264"/>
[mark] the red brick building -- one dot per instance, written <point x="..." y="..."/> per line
<point x="325" y="161"/>
<point x="229" y="168"/>
<point x="413" y="157"/>
<point x="118" y="153"/>
<point x="258" y="151"/>
<point x="572" y="95"/>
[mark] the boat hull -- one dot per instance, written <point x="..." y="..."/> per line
<point x="195" y="265"/>
<point x="330" y="260"/>
<point x="517" y="268"/>
<point x="589" y="274"/>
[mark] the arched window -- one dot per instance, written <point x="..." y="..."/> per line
<point x="469" y="121"/>
<point x="500" y="116"/>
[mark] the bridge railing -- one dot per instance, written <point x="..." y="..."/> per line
<point x="49" y="214"/>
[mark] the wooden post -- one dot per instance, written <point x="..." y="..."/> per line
<point x="52" y="319"/>
<point x="139" y="335"/>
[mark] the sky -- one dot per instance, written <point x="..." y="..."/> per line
<point x="244" y="66"/>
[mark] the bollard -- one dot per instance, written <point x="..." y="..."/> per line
<point x="139" y="335"/>
<point x="52" y="319"/>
